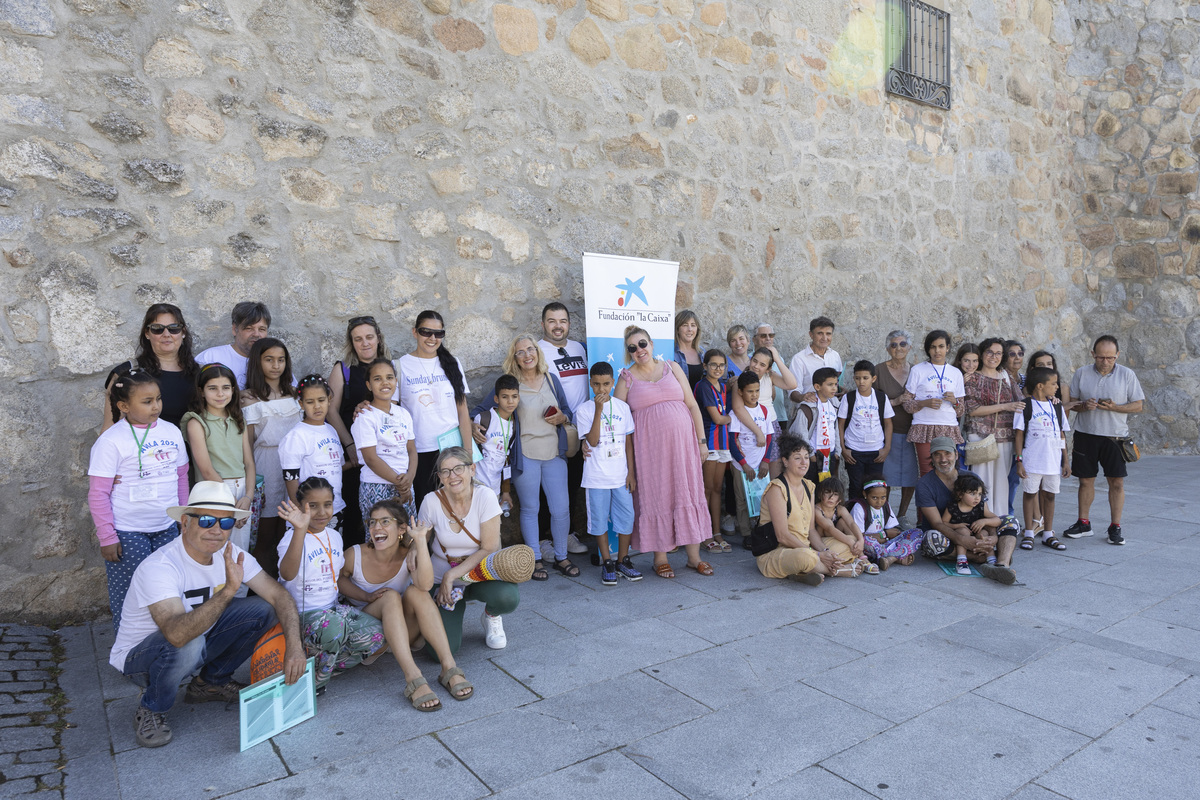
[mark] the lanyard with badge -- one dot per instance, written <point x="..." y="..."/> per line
<point x="1059" y="442"/>
<point x="941" y="376"/>
<point x="139" y="491"/>
<point x="327" y="546"/>
<point x="610" y="450"/>
<point x="505" y="432"/>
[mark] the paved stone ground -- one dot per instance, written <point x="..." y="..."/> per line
<point x="1080" y="682"/>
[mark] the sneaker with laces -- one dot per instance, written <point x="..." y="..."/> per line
<point x="626" y="570"/>
<point x="574" y="545"/>
<point x="493" y="628"/>
<point x="1080" y="529"/>
<point x="1114" y="534"/>
<point x="962" y="568"/>
<point x="547" y="548"/>
<point x="151" y="727"/>
<point x="608" y="573"/>
<point x="200" y="691"/>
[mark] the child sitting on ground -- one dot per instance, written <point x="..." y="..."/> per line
<point x="606" y="422"/>
<point x="968" y="513"/>
<point x="886" y="544"/>
<point x="1041" y="447"/>
<point x="494" y="471"/>
<point x="838" y="531"/>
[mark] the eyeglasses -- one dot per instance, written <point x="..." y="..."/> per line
<point x="356" y="321"/>
<point x="897" y="344"/>
<point x="428" y="332"/>
<point x="1015" y="353"/>
<point x="380" y="522"/>
<point x="642" y="344"/>
<point x="174" y="329"/>
<point x="208" y="520"/>
<point x="1105" y="358"/>
<point x="992" y="353"/>
<point x="770" y="335"/>
<point x="459" y="470"/>
<point x="532" y="351"/>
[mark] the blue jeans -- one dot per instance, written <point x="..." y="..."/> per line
<point x="160" y="666"/>
<point x="135" y="547"/>
<point x="552" y="477"/>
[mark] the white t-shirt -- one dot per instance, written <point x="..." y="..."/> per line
<point x="315" y="586"/>
<point x="805" y="364"/>
<point x="170" y="572"/>
<point x="456" y="544"/>
<point x="926" y="381"/>
<point x="309" y="450"/>
<point x="571" y="369"/>
<point x="225" y="354"/>
<point x="426" y="394"/>
<point x="149" y="485"/>
<point x="389" y="433"/>
<point x="763" y="415"/>
<point x="606" y="467"/>
<point x="877" y="523"/>
<point x="865" y="431"/>
<point x="1044" y="440"/>
<point x="491" y="471"/>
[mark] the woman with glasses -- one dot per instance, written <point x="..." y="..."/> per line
<point x="668" y="449"/>
<point x="433" y="390"/>
<point x="390" y="578"/>
<point x="539" y="450"/>
<point x="348" y="384"/>
<point x="900" y="468"/>
<point x="465" y="517"/>
<point x="992" y="398"/>
<point x="164" y="349"/>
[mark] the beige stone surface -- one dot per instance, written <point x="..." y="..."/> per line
<point x="587" y="42"/>
<point x="516" y="29"/>
<point x="309" y="187"/>
<point x="642" y="48"/>
<point x="173" y="57"/>
<point x="188" y="115"/>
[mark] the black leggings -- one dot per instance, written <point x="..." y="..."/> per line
<point x="425" y="481"/>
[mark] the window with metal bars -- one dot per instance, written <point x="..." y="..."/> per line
<point x="918" y="37"/>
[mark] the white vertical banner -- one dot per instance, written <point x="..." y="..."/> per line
<point x="619" y="291"/>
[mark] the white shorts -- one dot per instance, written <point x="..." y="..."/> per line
<point x="720" y="456"/>
<point x="1048" y="483"/>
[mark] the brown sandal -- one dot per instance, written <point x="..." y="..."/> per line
<point x="410" y="693"/>
<point x="703" y="567"/>
<point x="664" y="570"/>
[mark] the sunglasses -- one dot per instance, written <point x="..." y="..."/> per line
<point x="1015" y="353"/>
<point x="436" y="334"/>
<point x="898" y="344"/>
<point x="642" y="344"/>
<point x="174" y="329"/>
<point x="208" y="520"/>
<point x="562" y="351"/>
<point x="356" y="321"/>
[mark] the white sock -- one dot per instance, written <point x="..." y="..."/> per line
<point x="1028" y="533"/>
<point x="1048" y="534"/>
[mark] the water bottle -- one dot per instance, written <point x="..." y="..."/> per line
<point x="505" y="507"/>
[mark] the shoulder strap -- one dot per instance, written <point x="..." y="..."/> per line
<point x="345" y="373"/>
<point x="850" y="397"/>
<point x="879" y="398"/>
<point x="441" y="495"/>
<point x="1058" y="411"/>
<point x="485" y="419"/>
<point x="788" y="492"/>
<point x="1027" y="414"/>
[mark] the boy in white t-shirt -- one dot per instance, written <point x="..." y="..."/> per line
<point x="1041" y="446"/>
<point x="494" y="471"/>
<point x="864" y="428"/>
<point x="743" y="445"/>
<point x="608" y="477"/>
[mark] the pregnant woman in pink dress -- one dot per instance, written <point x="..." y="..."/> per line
<point x="668" y="449"/>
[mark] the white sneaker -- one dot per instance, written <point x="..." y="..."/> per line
<point x="574" y="545"/>
<point x="494" y="628"/>
<point x="547" y="548"/>
<point x="728" y="525"/>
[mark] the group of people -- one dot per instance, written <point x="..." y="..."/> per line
<point x="356" y="531"/>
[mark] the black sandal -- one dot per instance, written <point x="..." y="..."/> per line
<point x="539" y="572"/>
<point x="1053" y="544"/>
<point x="567" y="568"/>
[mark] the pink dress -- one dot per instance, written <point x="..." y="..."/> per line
<point x="668" y="506"/>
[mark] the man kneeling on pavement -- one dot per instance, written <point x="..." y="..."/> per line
<point x="992" y="554"/>
<point x="181" y="614"/>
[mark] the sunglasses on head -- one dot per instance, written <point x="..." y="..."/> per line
<point x="642" y="344"/>
<point x="436" y="334"/>
<point x="356" y="321"/>
<point x="208" y="520"/>
<point x="174" y="328"/>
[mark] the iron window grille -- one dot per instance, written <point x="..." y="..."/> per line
<point x="918" y="37"/>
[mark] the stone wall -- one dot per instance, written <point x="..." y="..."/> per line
<point x="339" y="157"/>
<point x="1136" y="130"/>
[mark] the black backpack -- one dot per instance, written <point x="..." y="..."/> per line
<point x="1027" y="413"/>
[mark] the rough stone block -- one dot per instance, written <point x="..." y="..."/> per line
<point x="459" y="35"/>
<point x="516" y="29"/>
<point x="1176" y="183"/>
<point x="33" y="17"/>
<point x="307" y="186"/>
<point x="154" y="175"/>
<point x="638" y="150"/>
<point x="641" y="47"/>
<point x="1135" y="261"/>
<point x="587" y="42"/>
<point x="608" y="9"/>
<point x="188" y="115"/>
<point x="1133" y="228"/>
<point x="173" y="57"/>
<point x="280" y="139"/>
<point x="19" y="64"/>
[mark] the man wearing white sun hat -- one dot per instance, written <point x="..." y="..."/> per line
<point x="181" y="614"/>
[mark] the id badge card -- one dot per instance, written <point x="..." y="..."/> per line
<point x="142" y="492"/>
<point x="611" y="451"/>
